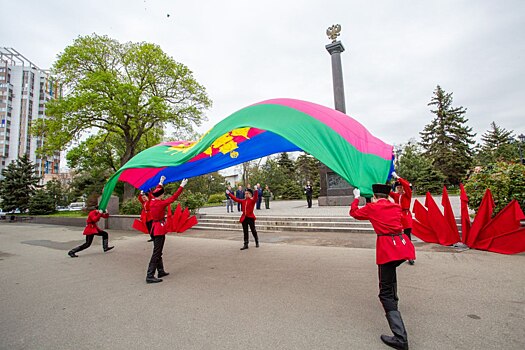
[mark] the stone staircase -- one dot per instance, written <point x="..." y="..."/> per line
<point x="284" y="223"/>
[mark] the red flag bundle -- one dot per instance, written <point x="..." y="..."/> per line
<point x="502" y="234"/>
<point x="431" y="225"/>
<point x="140" y="226"/>
<point x="465" y="217"/>
<point x="181" y="220"/>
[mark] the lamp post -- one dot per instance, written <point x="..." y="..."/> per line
<point x="522" y="139"/>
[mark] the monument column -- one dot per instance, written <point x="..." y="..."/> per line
<point x="334" y="190"/>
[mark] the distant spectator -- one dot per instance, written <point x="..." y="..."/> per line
<point x="267" y="194"/>
<point x="239" y="194"/>
<point x="308" y="191"/>
<point x="229" y="201"/>
<point x="259" y="190"/>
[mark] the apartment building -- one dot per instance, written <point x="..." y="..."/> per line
<point x="24" y="90"/>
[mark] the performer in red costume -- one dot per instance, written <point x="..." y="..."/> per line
<point x="403" y="197"/>
<point x="145" y="216"/>
<point x="247" y="217"/>
<point x="392" y="248"/>
<point x="91" y="230"/>
<point x="158" y="229"/>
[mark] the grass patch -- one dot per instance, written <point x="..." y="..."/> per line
<point x="67" y="214"/>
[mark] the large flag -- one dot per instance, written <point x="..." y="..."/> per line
<point x="268" y="127"/>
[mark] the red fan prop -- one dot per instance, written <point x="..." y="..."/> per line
<point x="502" y="234"/>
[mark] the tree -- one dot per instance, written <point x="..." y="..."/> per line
<point x="19" y="183"/>
<point x="446" y="140"/>
<point x="58" y="193"/>
<point x="497" y="146"/>
<point x="41" y="203"/>
<point x="307" y="169"/>
<point x="505" y="180"/>
<point x="124" y="90"/>
<point x="418" y="170"/>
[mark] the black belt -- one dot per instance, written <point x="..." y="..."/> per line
<point x="394" y="235"/>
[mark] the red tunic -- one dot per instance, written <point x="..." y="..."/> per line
<point x="158" y="212"/>
<point x="145" y="213"/>
<point x="92" y="219"/>
<point x="385" y="217"/>
<point x="247" y="205"/>
<point x="404" y="200"/>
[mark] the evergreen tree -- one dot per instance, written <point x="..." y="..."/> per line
<point x="19" y="184"/>
<point x="42" y="203"/>
<point x="58" y="193"/>
<point x="307" y="169"/>
<point x="447" y="140"/>
<point x="418" y="170"/>
<point x="497" y="146"/>
<point x="286" y="163"/>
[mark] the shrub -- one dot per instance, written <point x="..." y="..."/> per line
<point x="216" y="198"/>
<point x="506" y="181"/>
<point x="192" y="201"/>
<point x="131" y="207"/>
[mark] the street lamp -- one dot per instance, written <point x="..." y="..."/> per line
<point x="522" y="139"/>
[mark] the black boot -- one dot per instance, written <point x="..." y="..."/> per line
<point x="160" y="269"/>
<point x="72" y="254"/>
<point x="411" y="262"/>
<point x="256" y="237"/>
<point x="150" y="275"/>
<point x="105" y="245"/>
<point x="245" y="246"/>
<point x="399" y="340"/>
<point x="256" y="244"/>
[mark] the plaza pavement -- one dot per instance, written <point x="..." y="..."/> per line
<point x="297" y="291"/>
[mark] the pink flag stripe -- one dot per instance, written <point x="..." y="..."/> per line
<point x="350" y="129"/>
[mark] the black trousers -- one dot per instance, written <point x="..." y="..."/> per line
<point x="408" y="232"/>
<point x="249" y="222"/>
<point x="89" y="240"/>
<point x="239" y="207"/>
<point x="388" y="285"/>
<point x="149" y="224"/>
<point x="309" y="200"/>
<point x="156" y="256"/>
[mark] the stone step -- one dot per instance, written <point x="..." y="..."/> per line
<point x="277" y="228"/>
<point x="277" y="223"/>
<point x="261" y="221"/>
<point x="282" y="218"/>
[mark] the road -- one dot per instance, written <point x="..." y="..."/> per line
<point x="300" y="293"/>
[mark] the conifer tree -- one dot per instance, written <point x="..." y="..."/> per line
<point x="447" y="140"/>
<point x="496" y="146"/>
<point x="18" y="185"/>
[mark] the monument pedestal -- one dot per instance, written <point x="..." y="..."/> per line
<point x="334" y="190"/>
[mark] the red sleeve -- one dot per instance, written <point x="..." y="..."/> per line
<point x="174" y="197"/>
<point x="105" y="215"/>
<point x="395" y="196"/>
<point x="256" y="194"/>
<point x="358" y="213"/>
<point x="406" y="187"/>
<point x="235" y="198"/>
<point x="140" y="199"/>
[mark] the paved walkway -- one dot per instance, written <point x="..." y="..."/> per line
<point x="279" y="296"/>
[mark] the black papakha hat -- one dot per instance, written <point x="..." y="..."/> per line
<point x="249" y="190"/>
<point x="158" y="191"/>
<point x="397" y="183"/>
<point x="381" y="188"/>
